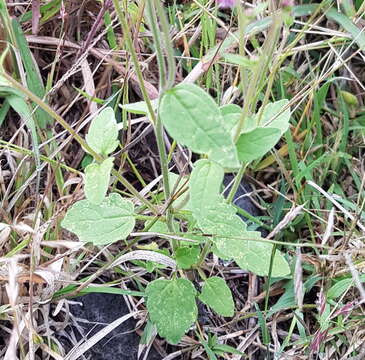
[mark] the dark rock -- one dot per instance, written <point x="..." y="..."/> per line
<point x="241" y="198"/>
<point x="99" y="310"/>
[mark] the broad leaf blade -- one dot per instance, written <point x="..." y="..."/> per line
<point x="216" y="294"/>
<point x="97" y="180"/>
<point x="256" y="258"/>
<point x="256" y="143"/>
<point x="193" y="119"/>
<point x="110" y="221"/>
<point x="103" y="132"/>
<point x="172" y="307"/>
<point x="187" y="256"/>
<point x="276" y="115"/>
<point x="205" y="183"/>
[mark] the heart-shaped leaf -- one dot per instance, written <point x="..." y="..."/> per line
<point x="216" y="294"/>
<point x="110" y="221"/>
<point x="193" y="119"/>
<point x="103" y="132"/>
<point x="172" y="307"/>
<point x="97" y="178"/>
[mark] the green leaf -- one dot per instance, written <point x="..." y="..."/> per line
<point x="110" y="221"/>
<point x="256" y="258"/>
<point x="34" y="79"/>
<point x="221" y="349"/>
<point x="172" y="307"/>
<point x="187" y="256"/>
<point x="239" y="60"/>
<point x="205" y="183"/>
<point x="97" y="178"/>
<point x="256" y="143"/>
<point x="193" y="119"/>
<point x="356" y="33"/>
<point x="251" y="253"/>
<point x="338" y="289"/>
<point x="274" y="116"/>
<point x="220" y="220"/>
<point x="140" y="107"/>
<point x="103" y="132"/>
<point x="216" y="294"/>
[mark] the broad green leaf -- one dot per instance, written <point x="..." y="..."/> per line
<point x="274" y="116"/>
<point x="216" y="294"/>
<point x="193" y="119"/>
<point x="338" y="289"/>
<point x="172" y="307"/>
<point x="256" y="143"/>
<point x="103" y="132"/>
<point x="251" y="253"/>
<point x="158" y="227"/>
<point x="220" y="220"/>
<point x="231" y="114"/>
<point x="97" y="178"/>
<point x="256" y="258"/>
<point x="187" y="256"/>
<point x="140" y="107"/>
<point x="205" y="183"/>
<point x="110" y="221"/>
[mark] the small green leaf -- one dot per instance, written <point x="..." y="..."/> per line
<point x="256" y="143"/>
<point x="216" y="294"/>
<point x="97" y="178"/>
<point x="274" y="116"/>
<point x="172" y="307"/>
<point x="193" y="119"/>
<point x="103" y="132"/>
<point x="239" y="60"/>
<point x="187" y="256"/>
<point x="140" y="107"/>
<point x="110" y="221"/>
<point x="205" y="183"/>
<point x="338" y="289"/>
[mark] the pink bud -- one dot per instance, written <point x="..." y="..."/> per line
<point x="226" y="3"/>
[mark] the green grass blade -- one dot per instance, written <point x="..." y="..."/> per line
<point x="34" y="80"/>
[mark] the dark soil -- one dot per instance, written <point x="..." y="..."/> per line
<point x="97" y="310"/>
